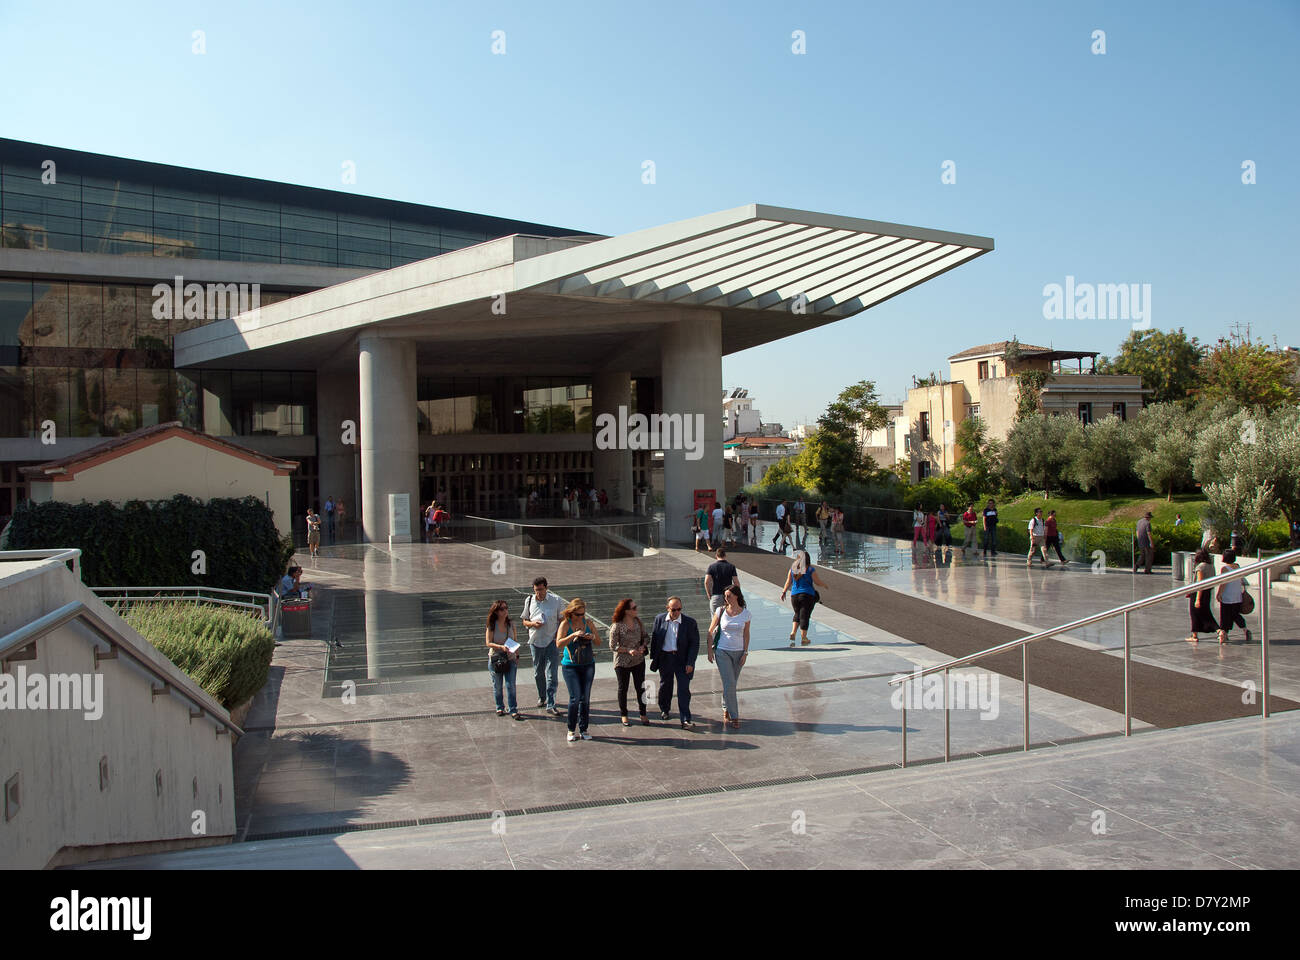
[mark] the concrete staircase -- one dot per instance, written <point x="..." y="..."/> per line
<point x="1287" y="585"/>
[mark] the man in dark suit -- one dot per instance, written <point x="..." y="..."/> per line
<point x="674" y="644"/>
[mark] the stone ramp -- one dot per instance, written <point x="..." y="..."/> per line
<point x="1161" y="697"/>
<point x="1126" y="803"/>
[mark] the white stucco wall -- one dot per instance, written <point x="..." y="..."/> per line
<point x="171" y="466"/>
<point x="56" y="753"/>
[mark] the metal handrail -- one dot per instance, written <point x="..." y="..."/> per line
<point x="1262" y="567"/>
<point x="266" y="604"/>
<point x="178" y="684"/>
<point x="66" y="554"/>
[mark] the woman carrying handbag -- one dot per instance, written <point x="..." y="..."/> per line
<point x="628" y="640"/>
<point x="577" y="638"/>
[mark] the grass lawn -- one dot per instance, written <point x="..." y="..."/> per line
<point x="1121" y="510"/>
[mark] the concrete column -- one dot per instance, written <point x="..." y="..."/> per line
<point x="390" y="450"/>
<point x="691" y="365"/>
<point x="338" y="403"/>
<point x="612" y="468"/>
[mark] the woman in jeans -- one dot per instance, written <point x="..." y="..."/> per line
<point x="729" y="650"/>
<point x="628" y="640"/>
<point x="500" y="628"/>
<point x="1230" y="595"/>
<point x="577" y="638"/>
<point x="1198" y="604"/>
<point x="801" y="583"/>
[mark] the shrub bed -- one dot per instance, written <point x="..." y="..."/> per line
<point x="225" y="651"/>
<point x="143" y="544"/>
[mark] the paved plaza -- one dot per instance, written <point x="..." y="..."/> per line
<point x="420" y="756"/>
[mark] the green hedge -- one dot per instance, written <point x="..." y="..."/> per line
<point x="225" y="651"/>
<point x="152" y="544"/>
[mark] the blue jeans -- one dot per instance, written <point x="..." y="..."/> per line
<point x="578" y="680"/>
<point x="545" y="663"/>
<point x="509" y="678"/>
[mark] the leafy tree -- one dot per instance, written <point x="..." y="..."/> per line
<point x="1103" y="455"/>
<point x="832" y="455"/>
<point x="1259" y="450"/>
<point x="1039" y="450"/>
<point x="1249" y="374"/>
<point x="1238" y="504"/>
<point x="1166" y="361"/>
<point x="1030" y="400"/>
<point x="976" y="472"/>
<point x="932" y="491"/>
<point x="902" y="469"/>
<point x="1164" y="443"/>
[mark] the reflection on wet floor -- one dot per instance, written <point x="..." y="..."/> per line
<point x="396" y="642"/>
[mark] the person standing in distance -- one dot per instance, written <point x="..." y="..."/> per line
<point x="329" y="517"/>
<point x="541" y="615"/>
<point x="990" y="529"/>
<point x="720" y="575"/>
<point x="674" y="645"/>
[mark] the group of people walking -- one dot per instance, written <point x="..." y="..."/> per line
<point x="563" y="635"/>
<point x="563" y="639"/>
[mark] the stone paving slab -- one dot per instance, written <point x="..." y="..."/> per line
<point x="1036" y="810"/>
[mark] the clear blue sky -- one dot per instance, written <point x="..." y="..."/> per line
<point x="1122" y="168"/>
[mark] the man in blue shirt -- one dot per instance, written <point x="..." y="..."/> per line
<point x="542" y="618"/>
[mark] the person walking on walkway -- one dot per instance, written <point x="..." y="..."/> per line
<point x="1231" y="596"/>
<point x="1198" y="604"/>
<point x="1037" y="538"/>
<point x="715" y="525"/>
<point x="780" y="526"/>
<point x="313" y="531"/>
<point x="503" y="656"/>
<point x="630" y="643"/>
<point x="1054" y="536"/>
<point x="969" y="519"/>
<point x="700" y="527"/>
<point x="674" y="645"/>
<point x="800" y="524"/>
<point x="720" y="575"/>
<point x="823" y="525"/>
<point x="931" y="529"/>
<point x="577" y="639"/>
<point x="330" y="528"/>
<point x="990" y="529"/>
<point x="1146" y="549"/>
<point x="918" y="524"/>
<point x="729" y="637"/>
<point x="802" y="583"/>
<point x="837" y="527"/>
<point x="542" y="618"/>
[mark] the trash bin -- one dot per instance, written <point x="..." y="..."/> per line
<point x="1178" y="561"/>
<point x="295" y="617"/>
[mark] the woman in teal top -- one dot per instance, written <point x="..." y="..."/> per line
<point x="577" y="639"/>
<point x="801" y="583"/>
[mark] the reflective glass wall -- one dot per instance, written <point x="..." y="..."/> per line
<point x="93" y="359"/>
<point x="94" y="204"/>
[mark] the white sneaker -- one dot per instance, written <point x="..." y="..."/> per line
<point x="586" y="735"/>
<point x="572" y="736"/>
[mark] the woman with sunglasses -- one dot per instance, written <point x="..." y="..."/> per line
<point x="729" y="647"/>
<point x="577" y="639"/>
<point x="628" y="640"/>
<point x="500" y="633"/>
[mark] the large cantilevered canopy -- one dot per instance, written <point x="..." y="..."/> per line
<point x="768" y="271"/>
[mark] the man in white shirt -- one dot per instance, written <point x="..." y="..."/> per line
<point x="715" y="526"/>
<point x="1038" y="538"/>
<point x="780" y="526"/>
<point x="541" y="616"/>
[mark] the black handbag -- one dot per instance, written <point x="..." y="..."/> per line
<point x="500" y="661"/>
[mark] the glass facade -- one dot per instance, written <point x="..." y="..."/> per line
<point x="93" y="359"/>
<point x="94" y="204"/>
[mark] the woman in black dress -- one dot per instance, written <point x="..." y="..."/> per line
<point x="1198" y="604"/>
